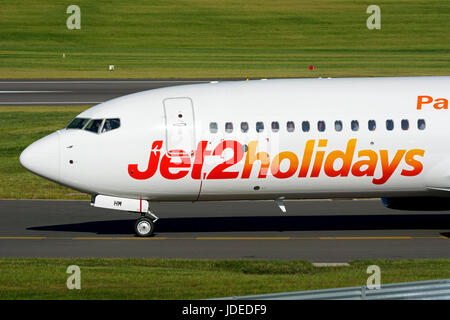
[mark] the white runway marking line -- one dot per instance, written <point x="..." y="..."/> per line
<point x="330" y="264"/>
<point x="31" y="91"/>
<point x="110" y="81"/>
<point x="6" y="103"/>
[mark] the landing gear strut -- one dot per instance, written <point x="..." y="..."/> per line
<point x="145" y="225"/>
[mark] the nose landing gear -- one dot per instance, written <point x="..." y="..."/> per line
<point x="145" y="225"/>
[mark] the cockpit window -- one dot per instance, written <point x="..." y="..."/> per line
<point x="77" y="123"/>
<point x="111" y="124"/>
<point x="94" y="125"/>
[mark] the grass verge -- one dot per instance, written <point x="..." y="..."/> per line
<point x="19" y="127"/>
<point x="214" y="39"/>
<point x="28" y="278"/>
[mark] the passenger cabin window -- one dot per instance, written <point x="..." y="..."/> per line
<point x="275" y="126"/>
<point x="244" y="127"/>
<point x="389" y="125"/>
<point x="111" y="124"/>
<point x="213" y="127"/>
<point x="405" y="124"/>
<point x="321" y="126"/>
<point x="229" y="127"/>
<point x="372" y="125"/>
<point x="355" y="125"/>
<point x="94" y="125"/>
<point x="259" y="126"/>
<point x="290" y="126"/>
<point x="77" y="123"/>
<point x="305" y="126"/>
<point x="421" y="124"/>
<point x="338" y="125"/>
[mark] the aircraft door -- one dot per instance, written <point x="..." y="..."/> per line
<point x="179" y="117"/>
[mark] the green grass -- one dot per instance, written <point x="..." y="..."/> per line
<point x="211" y="38"/>
<point x="194" y="279"/>
<point x="19" y="127"/>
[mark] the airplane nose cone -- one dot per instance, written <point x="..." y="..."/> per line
<point x="42" y="157"/>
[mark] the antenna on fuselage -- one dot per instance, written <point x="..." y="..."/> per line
<point x="280" y="204"/>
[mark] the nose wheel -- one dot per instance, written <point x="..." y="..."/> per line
<point x="145" y="226"/>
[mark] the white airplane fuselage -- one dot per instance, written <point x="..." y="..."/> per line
<point x="176" y="143"/>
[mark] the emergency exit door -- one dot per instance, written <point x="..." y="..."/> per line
<point x="180" y="135"/>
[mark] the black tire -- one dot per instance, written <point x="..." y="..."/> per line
<point x="144" y="227"/>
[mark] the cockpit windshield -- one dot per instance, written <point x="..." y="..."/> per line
<point x="111" y="124"/>
<point x="94" y="125"/>
<point x="77" y="123"/>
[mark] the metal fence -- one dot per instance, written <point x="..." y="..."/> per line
<point x="422" y="290"/>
